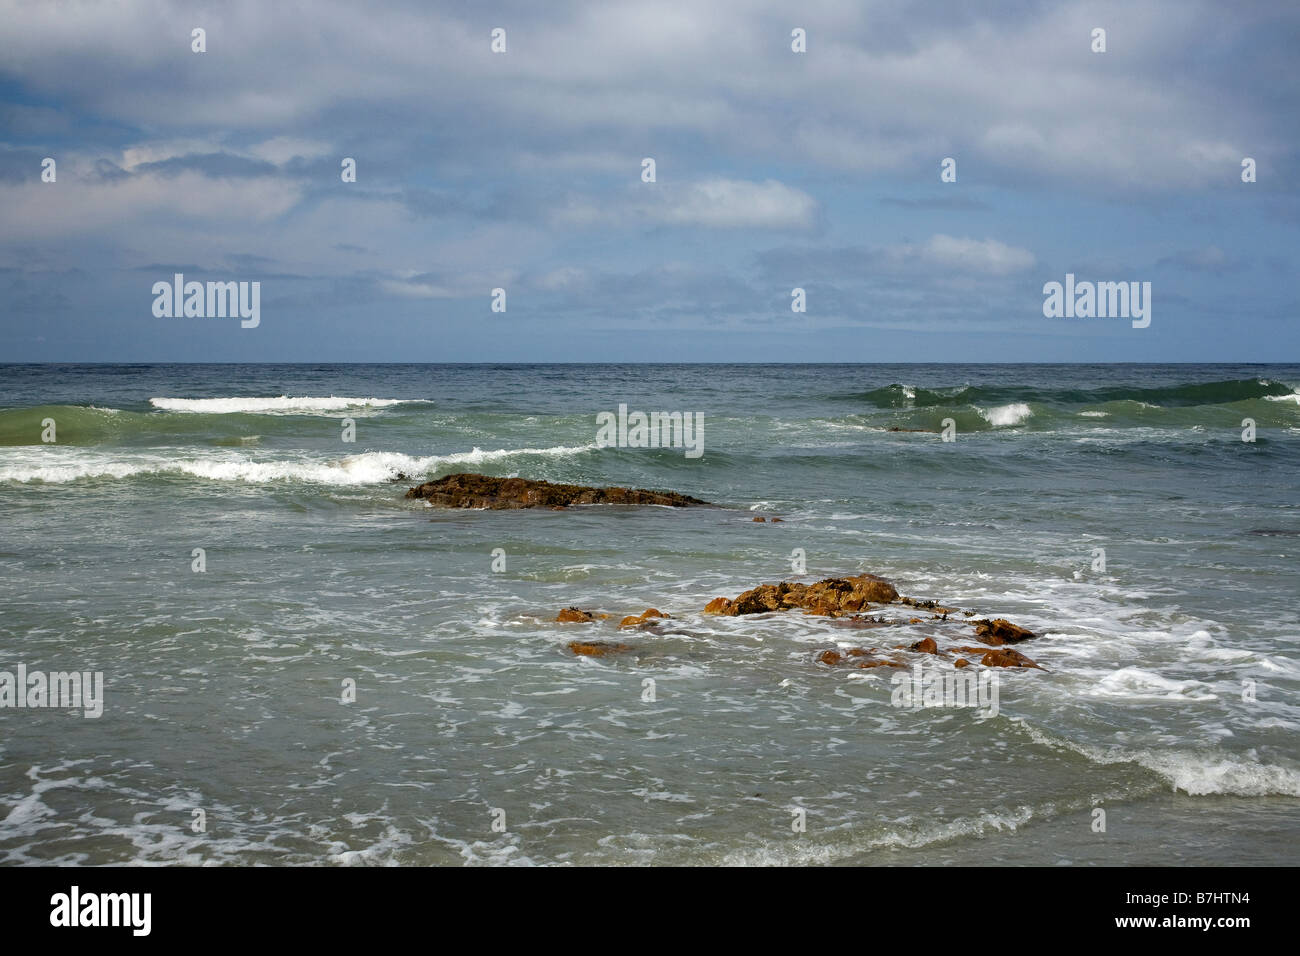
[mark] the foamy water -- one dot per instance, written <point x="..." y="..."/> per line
<point x="1168" y="695"/>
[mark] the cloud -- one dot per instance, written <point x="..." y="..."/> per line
<point x="715" y="203"/>
<point x="1016" y="88"/>
<point x="1209" y="259"/>
<point x="979" y="256"/>
<point x="736" y="204"/>
<point x="940" y="254"/>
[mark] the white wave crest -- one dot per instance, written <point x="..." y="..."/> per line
<point x="306" y="405"/>
<point x="1133" y="682"/>
<point x="366" y="468"/>
<point x="1004" y="415"/>
<point x="1197" y="774"/>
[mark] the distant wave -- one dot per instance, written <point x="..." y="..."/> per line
<point x="1191" y="393"/>
<point x="366" y="468"/>
<point x="283" y="405"/>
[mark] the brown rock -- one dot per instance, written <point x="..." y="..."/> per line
<point x="961" y="662"/>
<point x="925" y="646"/>
<point x="830" y="658"/>
<point x="484" y="491"/>
<point x="647" y="616"/>
<point x="573" y="615"/>
<point x="718" y="605"/>
<point x="1001" y="631"/>
<point x="597" y="648"/>
<point x="775" y="520"/>
<point x="1006" y="657"/>
<point x="760" y="518"/>
<point x="831" y="597"/>
<point x="860" y="652"/>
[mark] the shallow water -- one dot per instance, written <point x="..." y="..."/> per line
<point x="223" y="688"/>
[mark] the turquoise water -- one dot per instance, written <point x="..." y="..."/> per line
<point x="223" y="688"/>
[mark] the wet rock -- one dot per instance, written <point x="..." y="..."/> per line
<point x="648" y="616"/>
<point x="597" y="648"/>
<point x="857" y="657"/>
<point x="831" y="597"/>
<point x="1006" y="657"/>
<point x="775" y="520"/>
<point x="925" y="646"/>
<point x="483" y="491"/>
<point x="573" y="615"/>
<point x="718" y="605"/>
<point x="760" y="518"/>
<point x="961" y="662"/>
<point x="1001" y="631"/>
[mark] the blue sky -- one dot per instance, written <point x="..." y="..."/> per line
<point x="775" y="169"/>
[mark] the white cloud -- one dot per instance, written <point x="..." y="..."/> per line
<point x="982" y="256"/>
<point x="716" y="203"/>
<point x="737" y="204"/>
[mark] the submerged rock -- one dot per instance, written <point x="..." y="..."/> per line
<point x="484" y="491"/>
<point x="648" y="616"/>
<point x="865" y="658"/>
<point x="597" y="648"/>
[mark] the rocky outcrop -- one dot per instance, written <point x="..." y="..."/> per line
<point x="1006" y="657"/>
<point x="575" y="615"/>
<point x="1001" y="631"/>
<point x="831" y="597"/>
<point x="844" y="599"/>
<point x="483" y="491"/>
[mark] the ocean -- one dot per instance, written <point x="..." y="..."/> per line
<point x="302" y="666"/>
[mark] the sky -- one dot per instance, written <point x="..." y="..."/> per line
<point x="522" y="170"/>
